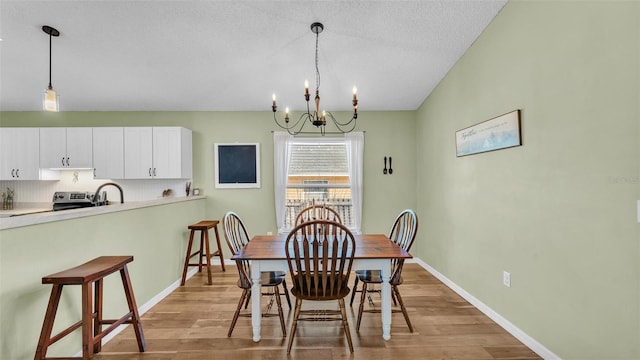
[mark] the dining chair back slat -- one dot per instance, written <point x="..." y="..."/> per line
<point x="317" y="212"/>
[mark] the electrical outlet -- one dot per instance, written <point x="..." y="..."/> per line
<point x="506" y="279"/>
<point x="269" y="233"/>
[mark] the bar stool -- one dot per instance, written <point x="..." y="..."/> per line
<point x="92" y="334"/>
<point x="204" y="252"/>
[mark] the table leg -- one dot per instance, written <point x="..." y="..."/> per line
<point x="256" y="312"/>
<point x="385" y="312"/>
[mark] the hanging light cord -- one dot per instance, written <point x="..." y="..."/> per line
<point x="50" y="86"/>
<point x="317" y="71"/>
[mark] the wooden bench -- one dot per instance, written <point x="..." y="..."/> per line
<point x="92" y="334"/>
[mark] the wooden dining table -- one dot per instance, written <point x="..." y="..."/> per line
<point x="373" y="252"/>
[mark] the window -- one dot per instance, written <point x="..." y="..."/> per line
<point x="318" y="172"/>
<point x="307" y="170"/>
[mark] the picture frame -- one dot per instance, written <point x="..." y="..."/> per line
<point x="500" y="132"/>
<point x="237" y="165"/>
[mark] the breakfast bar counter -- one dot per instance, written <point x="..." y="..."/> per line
<point x="40" y="214"/>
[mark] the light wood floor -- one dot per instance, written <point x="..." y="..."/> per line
<point x="192" y="323"/>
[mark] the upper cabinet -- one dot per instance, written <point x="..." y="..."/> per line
<point x="108" y="153"/>
<point x="19" y="153"/>
<point x="157" y="152"/>
<point x="66" y="148"/>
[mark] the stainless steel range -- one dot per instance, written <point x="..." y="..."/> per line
<point x="64" y="200"/>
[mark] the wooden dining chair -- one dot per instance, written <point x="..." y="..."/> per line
<point x="317" y="212"/>
<point x="320" y="255"/>
<point x="403" y="233"/>
<point x="236" y="235"/>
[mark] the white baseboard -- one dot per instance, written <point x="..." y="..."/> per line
<point x="504" y="323"/>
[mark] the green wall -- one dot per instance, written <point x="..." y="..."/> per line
<point x="559" y="212"/>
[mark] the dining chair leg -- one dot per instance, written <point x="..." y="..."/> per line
<point x="248" y="300"/>
<point x="286" y="293"/>
<point x="404" y="310"/>
<point x="280" y="313"/>
<point x="362" y="300"/>
<point x="355" y="290"/>
<point x="345" y="324"/>
<point x="294" y="325"/>
<point x="393" y="298"/>
<point x="245" y="292"/>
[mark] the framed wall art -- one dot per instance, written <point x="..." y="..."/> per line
<point x="237" y="165"/>
<point x="498" y="133"/>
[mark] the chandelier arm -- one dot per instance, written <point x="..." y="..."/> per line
<point x="342" y="127"/>
<point x="286" y="127"/>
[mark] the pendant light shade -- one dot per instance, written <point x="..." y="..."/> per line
<point x="50" y="100"/>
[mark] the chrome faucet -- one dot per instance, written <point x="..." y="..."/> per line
<point x="95" y="196"/>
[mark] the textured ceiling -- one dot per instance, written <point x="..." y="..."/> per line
<point x="231" y="55"/>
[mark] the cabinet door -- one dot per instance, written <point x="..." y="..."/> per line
<point x="53" y="148"/>
<point x="79" y="148"/>
<point x="29" y="156"/>
<point x="108" y="153"/>
<point x="172" y="152"/>
<point x="7" y="154"/>
<point x="19" y="153"/>
<point x="166" y="152"/>
<point x="138" y="155"/>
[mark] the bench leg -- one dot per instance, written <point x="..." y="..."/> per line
<point x="131" y="301"/>
<point x="47" y="326"/>
<point x="97" y="323"/>
<point x="87" y="321"/>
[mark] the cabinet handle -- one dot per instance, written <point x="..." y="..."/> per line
<point x="67" y="161"/>
<point x="62" y="161"/>
<point x="149" y="171"/>
<point x="94" y="173"/>
<point x="17" y="173"/>
<point x="13" y="173"/>
<point x="154" y="171"/>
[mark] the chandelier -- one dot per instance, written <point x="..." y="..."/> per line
<point x="316" y="118"/>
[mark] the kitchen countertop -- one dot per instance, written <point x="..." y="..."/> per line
<point x="40" y="213"/>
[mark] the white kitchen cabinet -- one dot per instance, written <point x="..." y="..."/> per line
<point x="157" y="152"/>
<point x="66" y="148"/>
<point x="19" y="153"/>
<point x="108" y="153"/>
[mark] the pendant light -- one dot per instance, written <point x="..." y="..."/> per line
<point x="50" y="99"/>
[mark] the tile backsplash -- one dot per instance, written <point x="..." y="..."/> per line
<point x="82" y="180"/>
